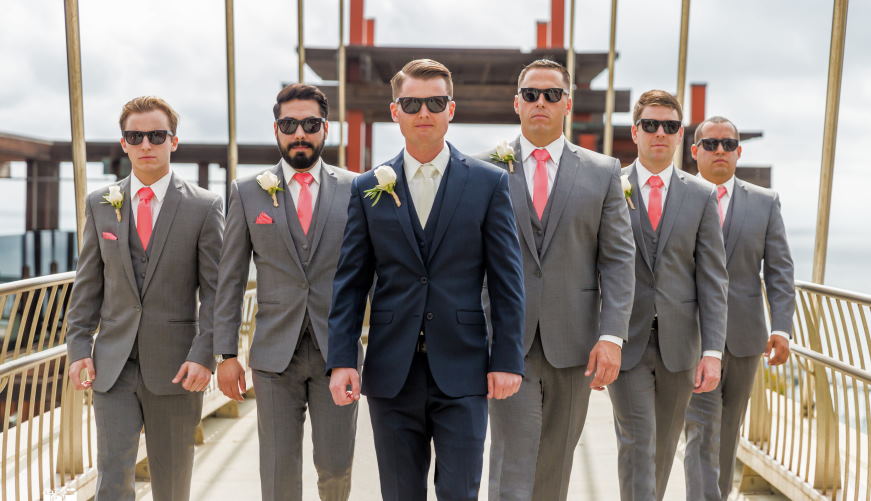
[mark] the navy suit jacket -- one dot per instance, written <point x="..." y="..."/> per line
<point x="474" y="235"/>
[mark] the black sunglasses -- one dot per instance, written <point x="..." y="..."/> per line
<point x="310" y="125"/>
<point x="155" y="137"/>
<point x="530" y="94"/>
<point x="650" y="125"/>
<point x="729" y="144"/>
<point x="435" y="104"/>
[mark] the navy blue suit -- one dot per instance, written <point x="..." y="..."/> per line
<point x="429" y="280"/>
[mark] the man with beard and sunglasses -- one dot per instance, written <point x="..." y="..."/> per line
<point x="146" y="279"/>
<point x="579" y="263"/>
<point x="290" y="218"/>
<point x="677" y="330"/>
<point x="755" y="239"/>
<point x="442" y="221"/>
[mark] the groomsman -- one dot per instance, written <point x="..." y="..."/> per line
<point x="755" y="239"/>
<point x="678" y="326"/>
<point x="442" y="221"/>
<point x="291" y="218"/>
<point x="151" y="247"/>
<point x="578" y="254"/>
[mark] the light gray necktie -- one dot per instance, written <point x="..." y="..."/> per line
<point x="424" y="191"/>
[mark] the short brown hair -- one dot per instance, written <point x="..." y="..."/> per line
<point x="714" y="120"/>
<point x="547" y="64"/>
<point x="145" y="104"/>
<point x="656" y="98"/>
<point x="304" y="92"/>
<point x="422" y="69"/>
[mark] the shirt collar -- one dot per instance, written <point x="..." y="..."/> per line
<point x="289" y="171"/>
<point x="555" y="149"/>
<point x="440" y="162"/>
<point x="644" y="174"/>
<point x="729" y="184"/>
<point x="159" y="187"/>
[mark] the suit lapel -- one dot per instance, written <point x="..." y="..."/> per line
<point x="402" y="191"/>
<point x="124" y="234"/>
<point x="325" y="204"/>
<point x="635" y="216"/>
<point x="567" y="175"/>
<point x="738" y="209"/>
<point x="165" y="217"/>
<point x="671" y="208"/>
<point x="456" y="185"/>
<point x="518" y="189"/>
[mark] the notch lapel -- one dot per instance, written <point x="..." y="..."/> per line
<point x="325" y="204"/>
<point x="517" y="187"/>
<point x="671" y="207"/>
<point x="567" y="175"/>
<point x="738" y="208"/>
<point x="168" y="210"/>
<point x="635" y="216"/>
<point x="124" y="234"/>
<point x="454" y="189"/>
<point x="280" y="219"/>
<point x="397" y="164"/>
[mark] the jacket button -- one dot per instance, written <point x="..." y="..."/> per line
<point x="137" y="308"/>
<point x="423" y="280"/>
<point x="538" y="273"/>
<point x="429" y="316"/>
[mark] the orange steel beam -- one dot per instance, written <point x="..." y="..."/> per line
<point x="356" y="140"/>
<point x="357" y="26"/>
<point x="541" y="34"/>
<point x="557" y="23"/>
<point x="698" y="93"/>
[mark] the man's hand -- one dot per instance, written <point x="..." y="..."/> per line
<point x="707" y="375"/>
<point x="501" y="385"/>
<point x="605" y="359"/>
<point x="76" y="373"/>
<point x="780" y="345"/>
<point x="231" y="379"/>
<point x="340" y="379"/>
<point x="193" y="376"/>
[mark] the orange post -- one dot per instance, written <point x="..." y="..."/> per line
<point x="356" y="23"/>
<point x="557" y="23"/>
<point x="698" y="94"/>
<point x="356" y="140"/>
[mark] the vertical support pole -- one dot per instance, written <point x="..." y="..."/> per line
<point x="356" y="140"/>
<point x="203" y="175"/>
<point x="570" y="63"/>
<point x="342" y="85"/>
<point x="300" y="46"/>
<point x="77" y="113"/>
<point x="232" y="147"/>
<point x="557" y="22"/>
<point x="682" y="70"/>
<point x="608" y="139"/>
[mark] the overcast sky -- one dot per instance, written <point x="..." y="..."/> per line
<point x="765" y="64"/>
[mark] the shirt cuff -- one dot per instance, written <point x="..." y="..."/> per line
<point x="713" y="353"/>
<point x="612" y="339"/>
<point x="781" y="334"/>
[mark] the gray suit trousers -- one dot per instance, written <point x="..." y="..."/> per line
<point x="534" y="433"/>
<point x="712" y="425"/>
<point x="649" y="407"/>
<point x="282" y="399"/>
<point x="169" y="422"/>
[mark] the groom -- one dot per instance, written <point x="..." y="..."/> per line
<point x="442" y="224"/>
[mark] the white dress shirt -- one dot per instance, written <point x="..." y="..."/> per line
<point x="730" y="186"/>
<point x="555" y="149"/>
<point x="294" y="186"/>
<point x="159" y="188"/>
<point x="412" y="165"/>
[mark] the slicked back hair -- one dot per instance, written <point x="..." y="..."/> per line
<point x="547" y="64"/>
<point x="303" y="92"/>
<point x="421" y="69"/>
<point x="144" y="104"/>
<point x="656" y="98"/>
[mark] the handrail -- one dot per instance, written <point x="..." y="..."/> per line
<point x="827" y="290"/>
<point x="32" y="360"/>
<point x="863" y="375"/>
<point x="32" y="283"/>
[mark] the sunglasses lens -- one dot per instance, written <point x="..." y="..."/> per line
<point x="410" y="105"/>
<point x="437" y="104"/>
<point x="156" y="137"/>
<point x="649" y="125"/>
<point x="671" y="126"/>
<point x="730" y="144"/>
<point x="553" y="95"/>
<point x="287" y="125"/>
<point x="133" y="137"/>
<point x="530" y="95"/>
<point x="311" y="125"/>
<point x="710" y="144"/>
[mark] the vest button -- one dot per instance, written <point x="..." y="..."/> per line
<point x="423" y="280"/>
<point x="429" y="316"/>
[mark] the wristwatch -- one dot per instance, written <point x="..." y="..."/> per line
<point x="225" y="356"/>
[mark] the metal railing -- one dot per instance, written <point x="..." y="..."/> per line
<point x="47" y="439"/>
<point x="807" y="432"/>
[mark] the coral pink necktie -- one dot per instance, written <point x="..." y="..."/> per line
<point x="654" y="204"/>
<point x="304" y="205"/>
<point x="721" y="192"/>
<point x="539" y="181"/>
<point x="143" y="215"/>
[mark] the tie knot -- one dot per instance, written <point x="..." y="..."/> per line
<point x="721" y="192"/>
<point x="655" y="182"/>
<point x="145" y="194"/>
<point x="304" y="178"/>
<point x="427" y="170"/>
<point x="541" y="155"/>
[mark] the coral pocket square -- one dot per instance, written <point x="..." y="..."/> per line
<point x="109" y="236"/>
<point x="263" y="218"/>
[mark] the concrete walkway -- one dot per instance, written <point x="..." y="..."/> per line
<point x="226" y="466"/>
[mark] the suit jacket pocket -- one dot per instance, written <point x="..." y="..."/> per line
<point x="470" y="317"/>
<point x="183" y="322"/>
<point x="380" y="317"/>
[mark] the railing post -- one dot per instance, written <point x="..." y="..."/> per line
<point x="827" y="472"/>
<point x="70" y="447"/>
<point x="759" y="424"/>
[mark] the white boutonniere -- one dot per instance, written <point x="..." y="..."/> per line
<point x="504" y="153"/>
<point x="115" y="198"/>
<point x="627" y="190"/>
<point x="270" y="184"/>
<point x="386" y="177"/>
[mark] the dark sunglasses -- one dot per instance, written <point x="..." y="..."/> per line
<point x="650" y="125"/>
<point x="435" y="104"/>
<point x="712" y="144"/>
<point x="155" y="137"/>
<point x="310" y="125"/>
<point x="530" y="95"/>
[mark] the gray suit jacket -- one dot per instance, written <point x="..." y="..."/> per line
<point x="165" y="318"/>
<point x="580" y="285"/>
<point x="687" y="288"/>
<point x="755" y="237"/>
<point x="284" y="288"/>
